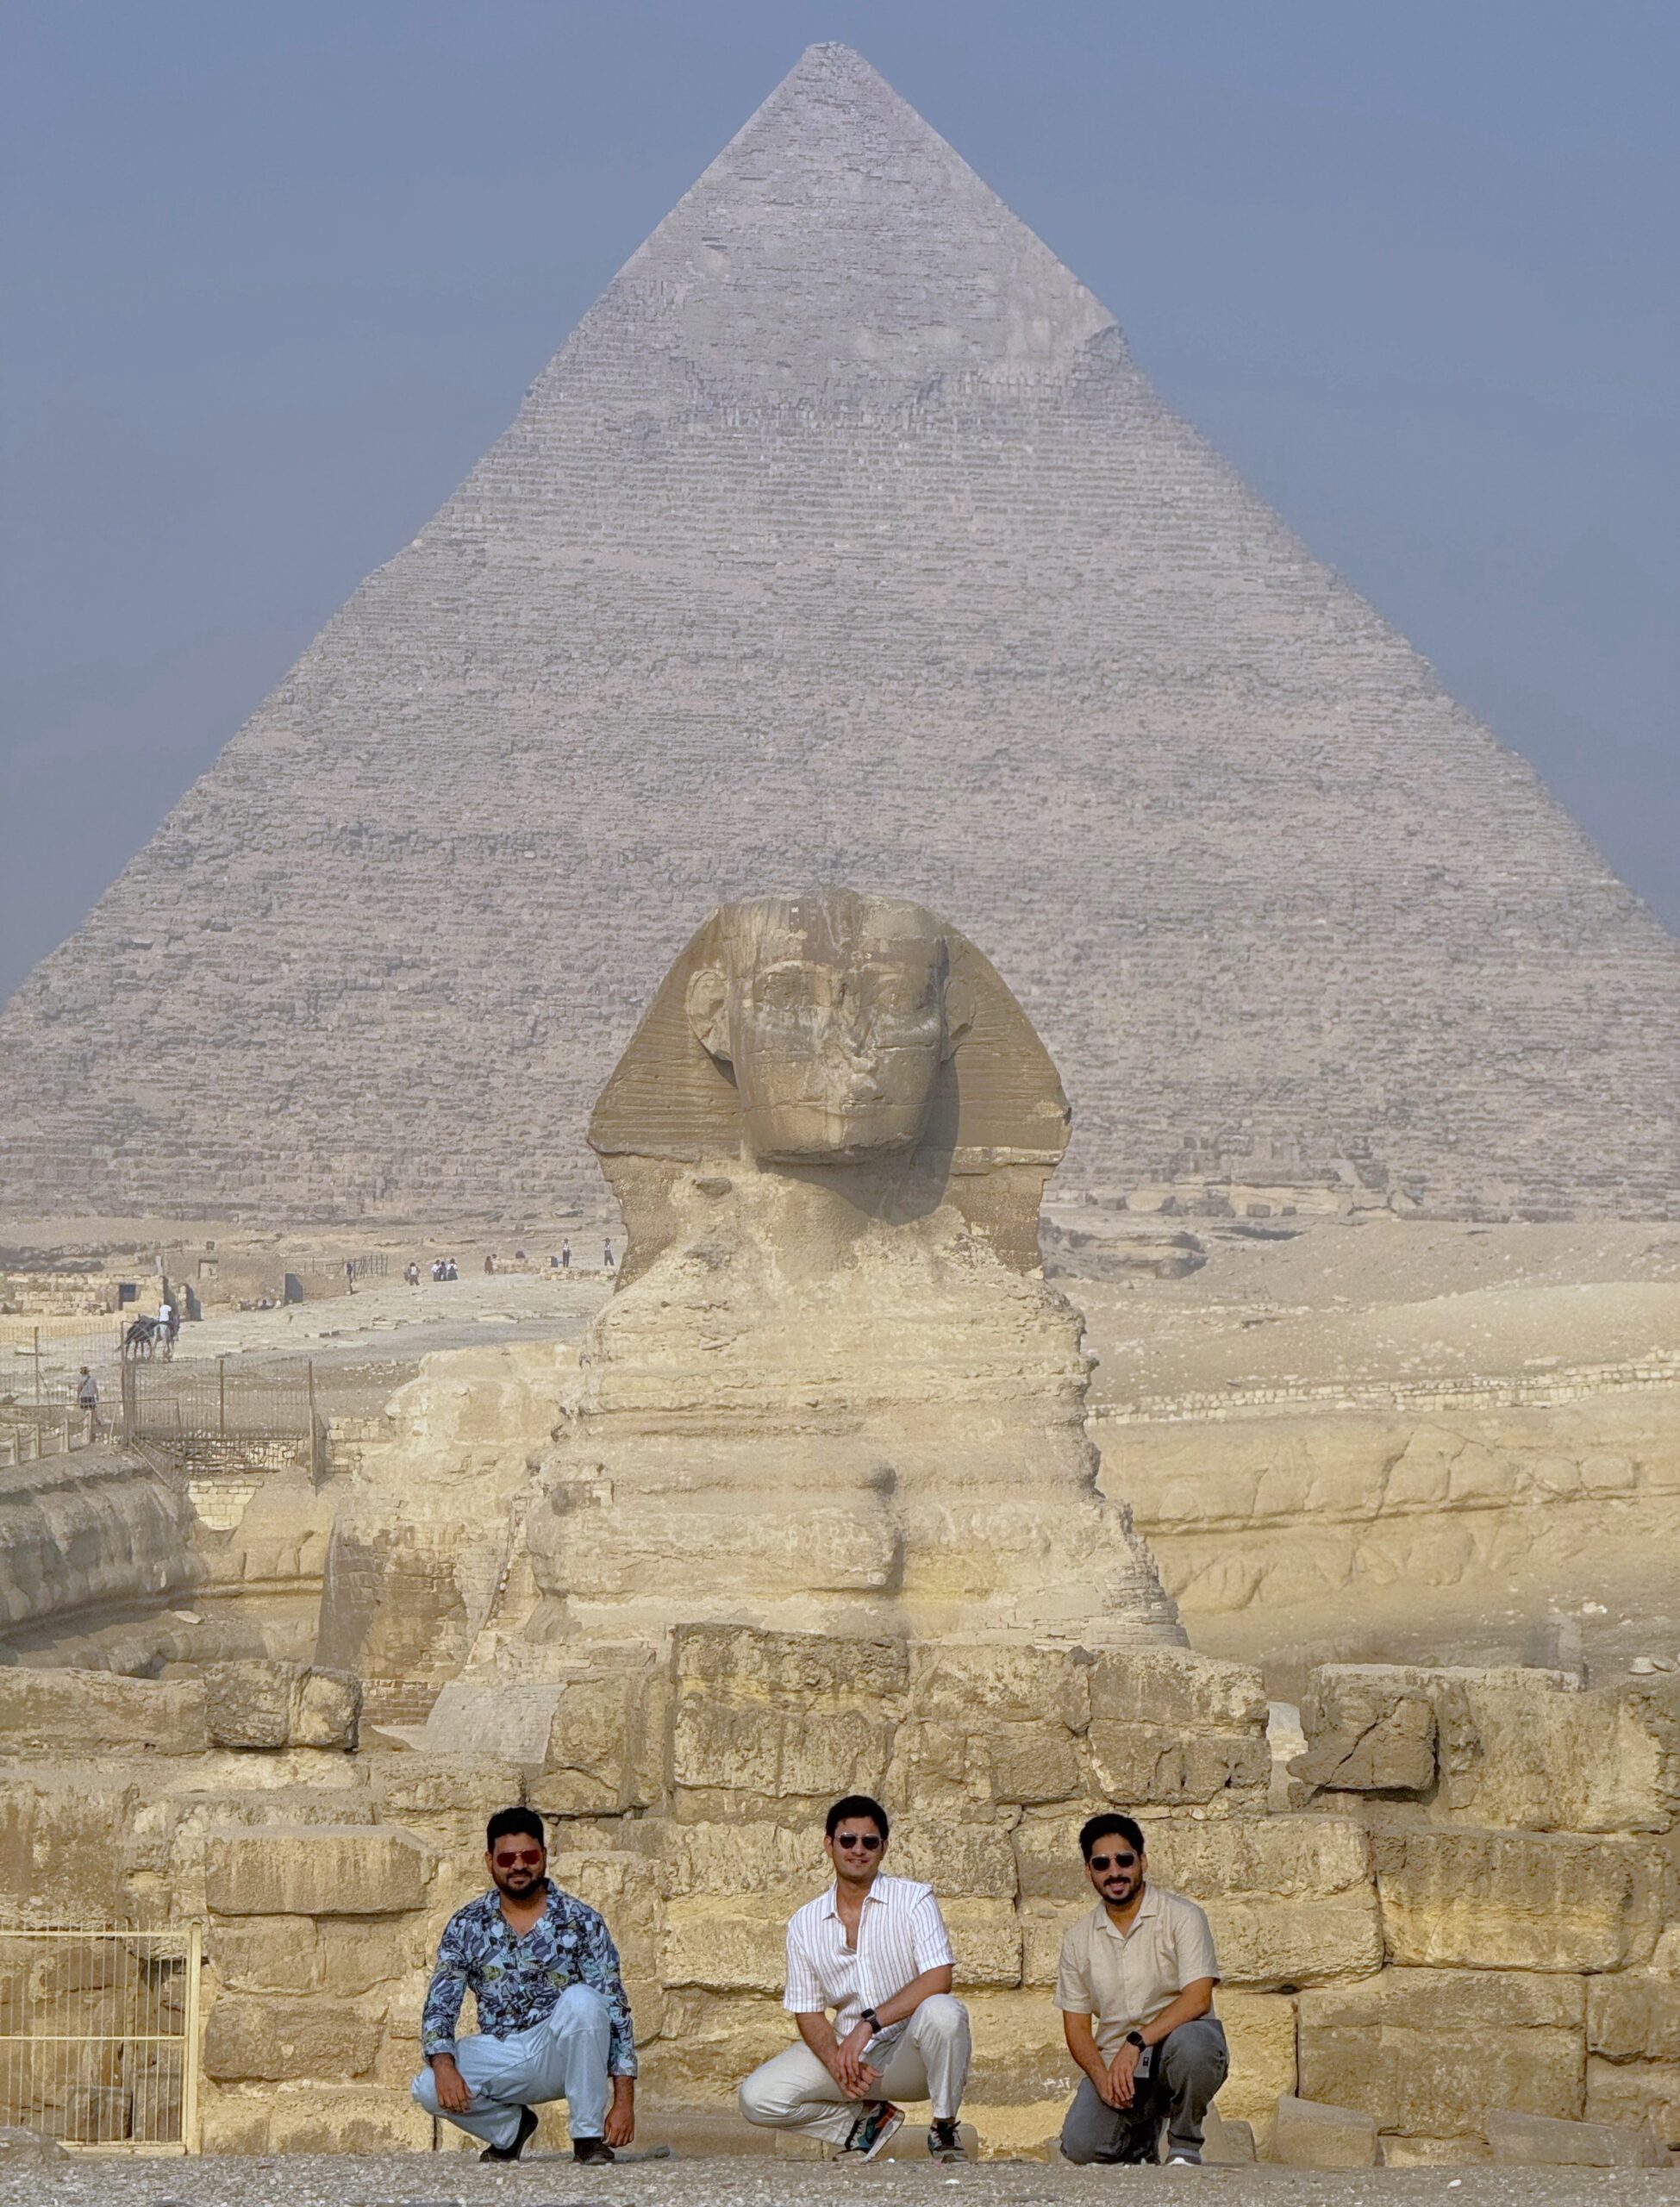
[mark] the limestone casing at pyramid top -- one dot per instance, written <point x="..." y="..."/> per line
<point x="838" y="239"/>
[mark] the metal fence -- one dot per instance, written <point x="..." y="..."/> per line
<point x="101" y="2038"/>
<point x="226" y="1417"/>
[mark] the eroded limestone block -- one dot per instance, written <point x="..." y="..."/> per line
<point x="1259" y="2029"/>
<point x="1634" y="2019"/>
<point x="809" y="1668"/>
<point x="328" y="1870"/>
<point x="1517" y="1900"/>
<point x="775" y="1754"/>
<point x="1176" y="1686"/>
<point x="1528" y="2142"/>
<point x="253" y="2039"/>
<point x="312" y="2117"/>
<point x="260" y="1703"/>
<point x="985" y="1938"/>
<point x="1307" y="2135"/>
<point x="1430" y="2051"/>
<point x="723" y="1943"/>
<point x="1368" y="1731"/>
<point x="81" y="1712"/>
<point x="1153" y="1765"/>
<point x="1636" y="2092"/>
<point x="340" y="1957"/>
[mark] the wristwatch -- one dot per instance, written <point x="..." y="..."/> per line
<point x="1136" y="2039"/>
<point x="871" y="2019"/>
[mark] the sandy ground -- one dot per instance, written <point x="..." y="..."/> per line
<point x="421" y="2180"/>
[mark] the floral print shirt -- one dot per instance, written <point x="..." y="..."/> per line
<point x="515" y="1982"/>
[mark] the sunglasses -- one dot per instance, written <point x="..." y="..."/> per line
<point x="871" y="1842"/>
<point x="1113" y="1861"/>
<point x="527" y="1859"/>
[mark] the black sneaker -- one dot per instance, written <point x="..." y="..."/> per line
<point x="943" y="2142"/>
<point x="527" y="2123"/>
<point x="592" y="2151"/>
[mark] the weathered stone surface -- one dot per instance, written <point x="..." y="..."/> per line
<point x="1173" y="1687"/>
<point x="1153" y="1765"/>
<point x="1634" y="2019"/>
<point x="985" y="1938"/>
<point x="298" y="1954"/>
<point x="1307" y="2135"/>
<point x="267" y="2039"/>
<point x="1513" y="1748"/>
<point x="758" y="1750"/>
<point x="1260" y="2031"/>
<point x="1528" y="2142"/>
<point x="1517" y="1900"/>
<point x="70" y="1712"/>
<point x="20" y="2146"/>
<point x="1368" y="1731"/>
<point x="1636" y="2092"/>
<point x="350" y="1870"/>
<point x="972" y="1687"/>
<point x="315" y="2117"/>
<point x="260" y="1703"/>
<point x="1430" y="2051"/>
<point x="723" y="1943"/>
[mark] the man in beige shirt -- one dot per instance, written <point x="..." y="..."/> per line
<point x="1135" y="1986"/>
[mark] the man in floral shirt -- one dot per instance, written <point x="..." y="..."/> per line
<point x="553" y="2023"/>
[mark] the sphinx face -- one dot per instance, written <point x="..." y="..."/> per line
<point x="832" y="1011"/>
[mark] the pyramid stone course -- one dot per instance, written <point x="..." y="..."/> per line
<point x="844" y="540"/>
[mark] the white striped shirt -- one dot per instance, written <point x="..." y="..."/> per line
<point x="900" y="1934"/>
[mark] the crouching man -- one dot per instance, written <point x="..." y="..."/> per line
<point x="553" y="2023"/>
<point x="873" y="1949"/>
<point x="1135" y="1988"/>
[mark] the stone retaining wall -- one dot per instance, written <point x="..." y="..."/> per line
<point x="1465" y="1909"/>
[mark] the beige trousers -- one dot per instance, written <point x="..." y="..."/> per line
<point x="794" y="2091"/>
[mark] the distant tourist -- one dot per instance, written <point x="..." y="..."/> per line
<point x="1135" y="1987"/>
<point x="450" y="1270"/>
<point x="437" y="1268"/>
<point x="874" y="1949"/>
<point x="606" y="1256"/>
<point x="553" y="2023"/>
<point x="489" y="1262"/>
<point x="412" y="1273"/>
<point x="350" y="1275"/>
<point x="87" y="1401"/>
<point x="566" y="1256"/>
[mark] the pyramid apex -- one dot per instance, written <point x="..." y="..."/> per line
<point x="838" y="239"/>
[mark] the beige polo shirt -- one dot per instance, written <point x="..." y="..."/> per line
<point x="1124" y="1978"/>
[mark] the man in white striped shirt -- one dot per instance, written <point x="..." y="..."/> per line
<point x="874" y="1950"/>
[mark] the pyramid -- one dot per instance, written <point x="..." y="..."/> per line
<point x="844" y="541"/>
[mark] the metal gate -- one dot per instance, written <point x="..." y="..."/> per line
<point x="99" y="2035"/>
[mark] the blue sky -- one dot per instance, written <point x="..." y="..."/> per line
<point x="279" y="274"/>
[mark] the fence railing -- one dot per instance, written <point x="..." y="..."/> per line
<point x="220" y="1417"/>
<point x="100" y="2035"/>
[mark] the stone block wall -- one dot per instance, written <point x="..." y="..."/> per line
<point x="1463" y="1911"/>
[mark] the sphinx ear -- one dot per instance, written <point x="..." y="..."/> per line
<point x="958" y="1014"/>
<point x="709" y="1011"/>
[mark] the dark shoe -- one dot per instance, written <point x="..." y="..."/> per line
<point x="879" y="2120"/>
<point x="527" y="2123"/>
<point x="592" y="2151"/>
<point x="943" y="2143"/>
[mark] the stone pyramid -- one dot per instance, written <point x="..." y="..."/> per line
<point x="843" y="541"/>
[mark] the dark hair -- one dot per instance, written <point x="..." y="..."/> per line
<point x="1110" y="1826"/>
<point x="506" y="1821"/>
<point x="858" y="1804"/>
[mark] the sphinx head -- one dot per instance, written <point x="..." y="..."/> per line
<point x="833" y="1012"/>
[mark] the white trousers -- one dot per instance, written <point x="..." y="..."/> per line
<point x="563" y="2058"/>
<point x="794" y="2091"/>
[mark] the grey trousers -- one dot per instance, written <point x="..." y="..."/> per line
<point x="1190" y="2065"/>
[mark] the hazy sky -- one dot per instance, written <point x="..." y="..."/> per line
<point x="276" y="272"/>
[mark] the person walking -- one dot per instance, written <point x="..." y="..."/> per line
<point x="1135" y="1986"/>
<point x="874" y="1950"/>
<point x="554" y="2021"/>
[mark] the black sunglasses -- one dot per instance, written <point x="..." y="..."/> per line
<point x="1112" y="1861"/>
<point x="869" y="1841"/>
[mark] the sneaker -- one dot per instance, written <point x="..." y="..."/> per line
<point x="879" y="2120"/>
<point x="1183" y="2158"/>
<point x="943" y="2142"/>
<point x="527" y="2123"/>
<point x="592" y="2152"/>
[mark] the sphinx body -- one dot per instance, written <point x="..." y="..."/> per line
<point x="835" y="1393"/>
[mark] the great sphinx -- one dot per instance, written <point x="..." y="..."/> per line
<point x="834" y="1391"/>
